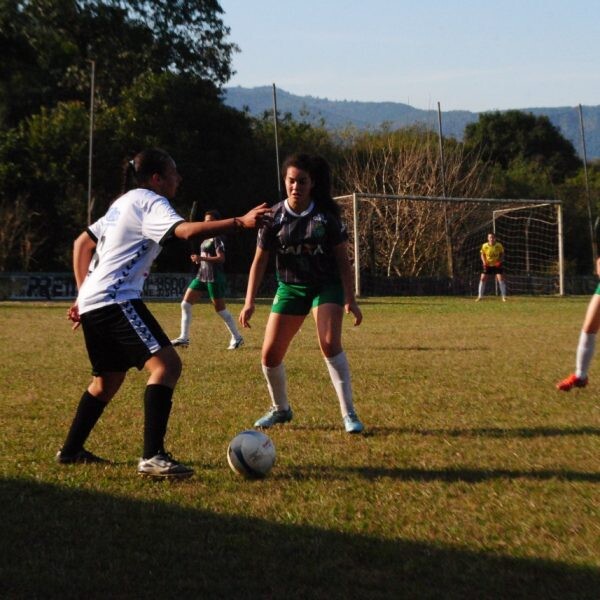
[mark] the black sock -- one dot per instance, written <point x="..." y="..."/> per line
<point x="87" y="415"/>
<point x="157" y="408"/>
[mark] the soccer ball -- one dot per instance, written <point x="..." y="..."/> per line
<point x="251" y="454"/>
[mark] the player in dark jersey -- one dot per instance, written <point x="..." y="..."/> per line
<point x="314" y="274"/>
<point x="111" y="260"/>
<point x="210" y="279"/>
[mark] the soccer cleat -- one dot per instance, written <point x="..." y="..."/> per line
<point x="180" y="341"/>
<point x="274" y="416"/>
<point x="81" y="457"/>
<point x="478" y="299"/>
<point x="235" y="344"/>
<point x="352" y="423"/>
<point x="570" y="382"/>
<point x="163" y="466"/>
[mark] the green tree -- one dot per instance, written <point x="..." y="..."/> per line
<point x="47" y="46"/>
<point x="515" y="137"/>
<point x="43" y="165"/>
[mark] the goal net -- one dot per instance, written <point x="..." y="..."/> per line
<point x="431" y="245"/>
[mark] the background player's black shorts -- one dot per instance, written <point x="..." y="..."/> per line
<point x="121" y="336"/>
<point x="493" y="270"/>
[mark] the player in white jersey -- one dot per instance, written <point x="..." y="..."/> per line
<point x="210" y="280"/>
<point x="111" y="261"/>
<point x="314" y="275"/>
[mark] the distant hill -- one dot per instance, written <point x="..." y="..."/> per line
<point x="371" y="115"/>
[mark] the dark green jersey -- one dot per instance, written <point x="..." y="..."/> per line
<point x="303" y="244"/>
<point x="207" y="271"/>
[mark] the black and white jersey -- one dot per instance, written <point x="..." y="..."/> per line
<point x="128" y="239"/>
<point x="303" y="243"/>
<point x="210" y="247"/>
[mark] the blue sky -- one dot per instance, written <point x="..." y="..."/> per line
<point x="474" y="54"/>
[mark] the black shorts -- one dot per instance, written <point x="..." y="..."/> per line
<point x="121" y="336"/>
<point x="493" y="270"/>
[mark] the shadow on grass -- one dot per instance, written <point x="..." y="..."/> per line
<point x="490" y="432"/>
<point x="64" y="543"/>
<point x="454" y="475"/>
<point x="433" y="348"/>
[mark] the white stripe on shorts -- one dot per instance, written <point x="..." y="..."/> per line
<point x="144" y="333"/>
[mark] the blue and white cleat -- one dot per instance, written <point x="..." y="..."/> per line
<point x="353" y="424"/>
<point x="274" y="416"/>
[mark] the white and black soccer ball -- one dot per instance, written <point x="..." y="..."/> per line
<point x="251" y="454"/>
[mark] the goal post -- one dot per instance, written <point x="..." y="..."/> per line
<point x="429" y="245"/>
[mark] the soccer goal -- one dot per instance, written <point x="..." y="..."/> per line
<point x="430" y="245"/>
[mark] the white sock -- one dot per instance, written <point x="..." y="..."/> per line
<point x="276" y="382"/>
<point x="229" y="321"/>
<point x="481" y="288"/>
<point x="585" y="353"/>
<point x="186" y="319"/>
<point x="339" y="371"/>
<point x="502" y="285"/>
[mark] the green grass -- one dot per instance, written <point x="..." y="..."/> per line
<point x="475" y="479"/>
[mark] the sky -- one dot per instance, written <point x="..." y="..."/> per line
<point x="476" y="55"/>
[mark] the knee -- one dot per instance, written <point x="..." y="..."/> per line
<point x="270" y="358"/>
<point x="330" y="349"/>
<point x="166" y="369"/>
<point x="104" y="389"/>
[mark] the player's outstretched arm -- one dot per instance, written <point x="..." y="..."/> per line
<point x="204" y="229"/>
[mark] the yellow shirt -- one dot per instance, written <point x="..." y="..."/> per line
<point x="492" y="254"/>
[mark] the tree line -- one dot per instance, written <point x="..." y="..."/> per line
<point x="159" y="68"/>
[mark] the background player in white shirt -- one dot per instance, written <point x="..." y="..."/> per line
<point x="111" y="261"/>
<point x="314" y="275"/>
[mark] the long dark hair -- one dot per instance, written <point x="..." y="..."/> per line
<point x="318" y="169"/>
<point x="138" y="171"/>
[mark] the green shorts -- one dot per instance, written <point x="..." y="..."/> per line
<point x="215" y="289"/>
<point x="299" y="299"/>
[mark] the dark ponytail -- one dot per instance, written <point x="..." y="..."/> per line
<point x="318" y="169"/>
<point x="138" y="171"/>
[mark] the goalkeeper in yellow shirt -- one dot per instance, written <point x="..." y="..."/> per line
<point x="492" y="255"/>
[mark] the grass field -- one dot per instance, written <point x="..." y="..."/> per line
<point x="475" y="478"/>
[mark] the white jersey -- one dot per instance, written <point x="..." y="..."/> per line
<point x="128" y="239"/>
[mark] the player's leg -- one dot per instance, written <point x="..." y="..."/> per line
<point x="89" y="410"/>
<point x="164" y="368"/>
<point x="109" y="367"/>
<point x="191" y="296"/>
<point x="216" y="292"/>
<point x="502" y="285"/>
<point x="586" y="346"/>
<point x="481" y="289"/>
<point x="329" y="319"/>
<point x="280" y="330"/>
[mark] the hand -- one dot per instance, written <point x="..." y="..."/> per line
<point x="246" y="315"/>
<point x="195" y="258"/>
<point x="352" y="307"/>
<point x="256" y="217"/>
<point x="73" y="315"/>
